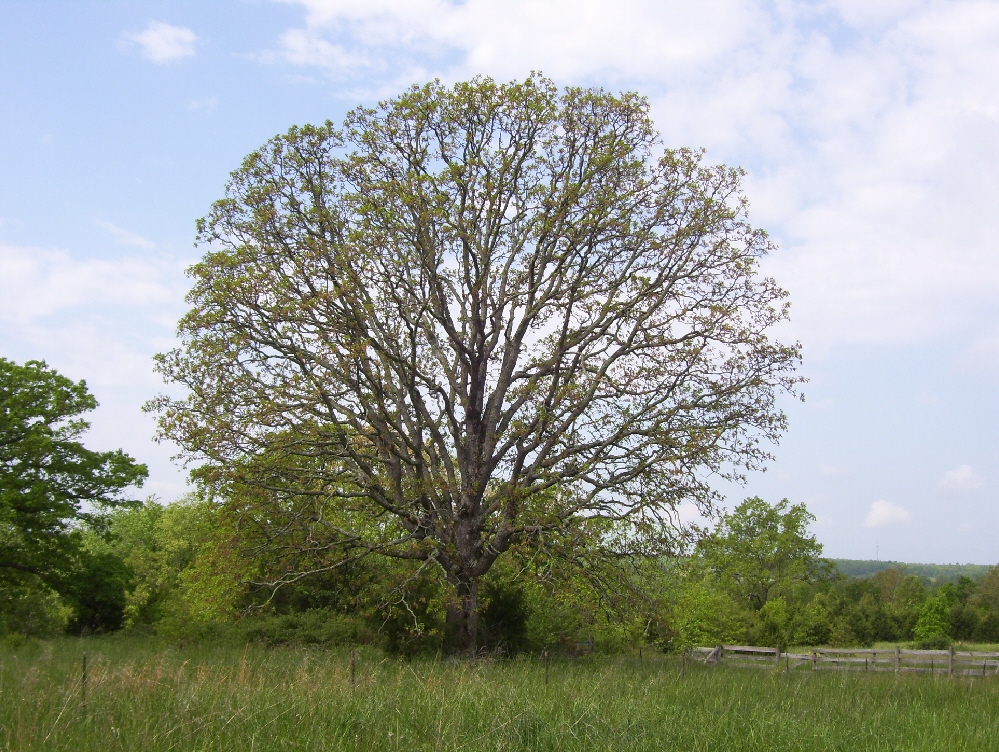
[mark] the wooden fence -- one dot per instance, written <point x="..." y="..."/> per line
<point x="950" y="662"/>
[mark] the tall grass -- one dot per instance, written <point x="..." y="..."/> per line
<point x="144" y="695"/>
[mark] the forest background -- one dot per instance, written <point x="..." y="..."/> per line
<point x="185" y="571"/>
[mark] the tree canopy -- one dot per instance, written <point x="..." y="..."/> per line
<point x="759" y="550"/>
<point x="472" y="318"/>
<point x="51" y="486"/>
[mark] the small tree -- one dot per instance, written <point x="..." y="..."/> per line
<point x="475" y="316"/>
<point x="933" y="619"/>
<point x="760" y="550"/>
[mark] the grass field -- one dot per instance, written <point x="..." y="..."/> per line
<point x="145" y="695"/>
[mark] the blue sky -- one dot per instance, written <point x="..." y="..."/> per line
<point x="870" y="133"/>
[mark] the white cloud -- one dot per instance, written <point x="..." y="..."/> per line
<point x="126" y="237"/>
<point x="885" y="513"/>
<point x="869" y="130"/>
<point x="961" y="480"/>
<point x="40" y="282"/>
<point x="303" y="48"/>
<point x="163" y="42"/>
<point x="561" y="37"/>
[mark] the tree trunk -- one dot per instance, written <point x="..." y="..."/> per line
<point x="463" y="617"/>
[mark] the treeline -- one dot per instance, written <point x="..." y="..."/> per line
<point x="933" y="573"/>
<point x="760" y="579"/>
<point x="190" y="570"/>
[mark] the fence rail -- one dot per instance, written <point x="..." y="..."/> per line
<point x="949" y="662"/>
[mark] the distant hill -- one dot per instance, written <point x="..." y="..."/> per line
<point x="933" y="572"/>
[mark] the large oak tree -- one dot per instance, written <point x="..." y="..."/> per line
<point x="471" y="317"/>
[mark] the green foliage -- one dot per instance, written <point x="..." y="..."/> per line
<point x="319" y="627"/>
<point x="556" y="617"/>
<point x="504" y="616"/>
<point x="814" y="626"/>
<point x="775" y="623"/>
<point x="32" y="609"/>
<point x="903" y="605"/>
<point x="987" y="628"/>
<point x="97" y="593"/>
<point x="759" y="551"/>
<point x="759" y="580"/>
<point x="177" y="553"/>
<point x="49" y="482"/>
<point x="704" y="614"/>
<point x="411" y="613"/>
<point x="933" y="618"/>
<point x="187" y="571"/>
<point x="753" y="580"/>
<point x="138" y="539"/>
<point x="52" y="491"/>
<point x="989" y="591"/>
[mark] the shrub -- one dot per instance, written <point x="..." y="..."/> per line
<point x="842" y="635"/>
<point x="98" y="594"/>
<point x="937" y="642"/>
<point x="31" y="609"/>
<point x="504" y="617"/>
<point x="987" y="629"/>
<point x="933" y="619"/>
<point x="314" y="627"/>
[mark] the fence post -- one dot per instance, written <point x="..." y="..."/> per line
<point x="353" y="669"/>
<point x="950" y="661"/>
<point x="814" y="657"/>
<point x="898" y="658"/>
<point x="683" y="665"/>
<point x="545" y="654"/>
<point x="83" y="684"/>
<point x="778" y="657"/>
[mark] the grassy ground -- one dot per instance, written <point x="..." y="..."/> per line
<point x="143" y="695"/>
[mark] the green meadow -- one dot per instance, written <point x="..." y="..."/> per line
<point x="144" y="694"/>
